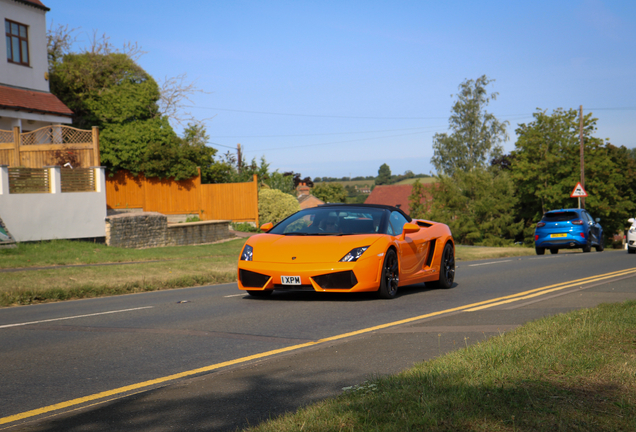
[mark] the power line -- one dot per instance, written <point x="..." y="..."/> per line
<point x="315" y="115"/>
<point x="321" y="134"/>
<point x="334" y="142"/>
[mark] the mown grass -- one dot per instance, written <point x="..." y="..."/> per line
<point x="98" y="270"/>
<point x="571" y="372"/>
<point x="133" y="270"/>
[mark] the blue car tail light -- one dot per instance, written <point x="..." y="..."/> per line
<point x="540" y="224"/>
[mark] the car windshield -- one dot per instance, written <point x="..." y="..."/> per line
<point x="560" y="216"/>
<point x="334" y="221"/>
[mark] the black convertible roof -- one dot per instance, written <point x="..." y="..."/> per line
<point x="380" y="206"/>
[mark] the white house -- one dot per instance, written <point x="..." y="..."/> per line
<point x="25" y="99"/>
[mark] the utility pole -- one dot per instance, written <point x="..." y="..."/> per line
<point x="238" y="158"/>
<point x="582" y="151"/>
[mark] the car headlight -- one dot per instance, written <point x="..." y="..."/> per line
<point x="354" y="254"/>
<point x="632" y="229"/>
<point x="248" y="253"/>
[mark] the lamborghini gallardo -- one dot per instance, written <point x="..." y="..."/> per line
<point x="347" y="248"/>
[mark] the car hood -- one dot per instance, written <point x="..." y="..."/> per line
<point x="306" y="249"/>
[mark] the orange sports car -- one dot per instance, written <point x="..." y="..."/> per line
<point x="347" y="248"/>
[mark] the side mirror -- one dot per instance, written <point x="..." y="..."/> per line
<point x="631" y="220"/>
<point x="598" y="220"/>
<point x="266" y="227"/>
<point x="409" y="228"/>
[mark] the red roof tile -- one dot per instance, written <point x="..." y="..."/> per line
<point x="35" y="3"/>
<point x="392" y="195"/>
<point x="32" y="101"/>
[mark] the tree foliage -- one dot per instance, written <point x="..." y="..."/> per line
<point x="546" y="168"/>
<point x="275" y="205"/>
<point x="477" y="205"/>
<point x="475" y="135"/>
<point x="330" y="192"/>
<point x="384" y="175"/>
<point x="106" y="88"/>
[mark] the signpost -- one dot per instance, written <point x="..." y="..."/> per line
<point x="578" y="192"/>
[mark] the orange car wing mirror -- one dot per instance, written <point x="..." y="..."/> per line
<point x="266" y="227"/>
<point x="409" y="228"/>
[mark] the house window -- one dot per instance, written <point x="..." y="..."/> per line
<point x="17" y="43"/>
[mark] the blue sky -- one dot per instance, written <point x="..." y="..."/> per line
<point x="337" y="88"/>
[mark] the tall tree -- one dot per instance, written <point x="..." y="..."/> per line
<point x="546" y="167"/>
<point x="475" y="135"/>
<point x="384" y="175"/>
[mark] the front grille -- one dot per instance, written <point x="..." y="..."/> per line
<point x="345" y="279"/>
<point x="252" y="279"/>
<point x="294" y="287"/>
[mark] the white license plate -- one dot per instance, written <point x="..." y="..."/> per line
<point x="290" y="280"/>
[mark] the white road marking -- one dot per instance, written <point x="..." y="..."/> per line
<point x="73" y="317"/>
<point x="235" y="295"/>
<point x="493" y="262"/>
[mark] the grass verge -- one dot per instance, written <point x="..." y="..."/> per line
<point x="98" y="270"/>
<point x="571" y="372"/>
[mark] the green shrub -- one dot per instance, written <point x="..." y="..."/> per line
<point x="245" y="227"/>
<point x="274" y="205"/>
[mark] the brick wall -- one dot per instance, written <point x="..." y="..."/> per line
<point x="149" y="229"/>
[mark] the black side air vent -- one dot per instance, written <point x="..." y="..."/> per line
<point x="424" y="224"/>
<point x="431" y="252"/>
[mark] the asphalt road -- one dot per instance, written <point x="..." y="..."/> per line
<point x="212" y="358"/>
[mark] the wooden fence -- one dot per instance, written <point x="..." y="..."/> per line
<point x="237" y="202"/>
<point x="38" y="148"/>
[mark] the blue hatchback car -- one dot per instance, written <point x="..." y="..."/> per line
<point x="568" y="229"/>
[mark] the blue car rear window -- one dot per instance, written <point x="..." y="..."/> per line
<point x="560" y="216"/>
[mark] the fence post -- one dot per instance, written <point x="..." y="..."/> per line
<point x="4" y="180"/>
<point x="199" y="195"/>
<point x="55" y="179"/>
<point x="96" y="157"/>
<point x="17" y="158"/>
<point x="256" y="197"/>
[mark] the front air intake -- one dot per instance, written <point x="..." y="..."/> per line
<point x="342" y="280"/>
<point x="252" y="279"/>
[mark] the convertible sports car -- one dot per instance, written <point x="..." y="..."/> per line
<point x="347" y="248"/>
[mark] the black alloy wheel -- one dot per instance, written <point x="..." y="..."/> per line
<point x="446" y="269"/>
<point x="601" y="245"/>
<point x="390" y="276"/>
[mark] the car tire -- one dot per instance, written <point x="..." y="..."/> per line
<point x="601" y="246"/>
<point x="554" y="251"/>
<point x="265" y="293"/>
<point x="390" y="276"/>
<point x="540" y="250"/>
<point x="631" y="250"/>
<point x="446" y="268"/>
<point x="587" y="247"/>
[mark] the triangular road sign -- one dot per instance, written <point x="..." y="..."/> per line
<point x="578" y="191"/>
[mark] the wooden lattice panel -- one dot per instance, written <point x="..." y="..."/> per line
<point x="78" y="180"/>
<point x="29" y="180"/>
<point x="6" y="137"/>
<point x="57" y="134"/>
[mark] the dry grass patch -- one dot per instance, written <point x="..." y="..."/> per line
<point x="472" y="253"/>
